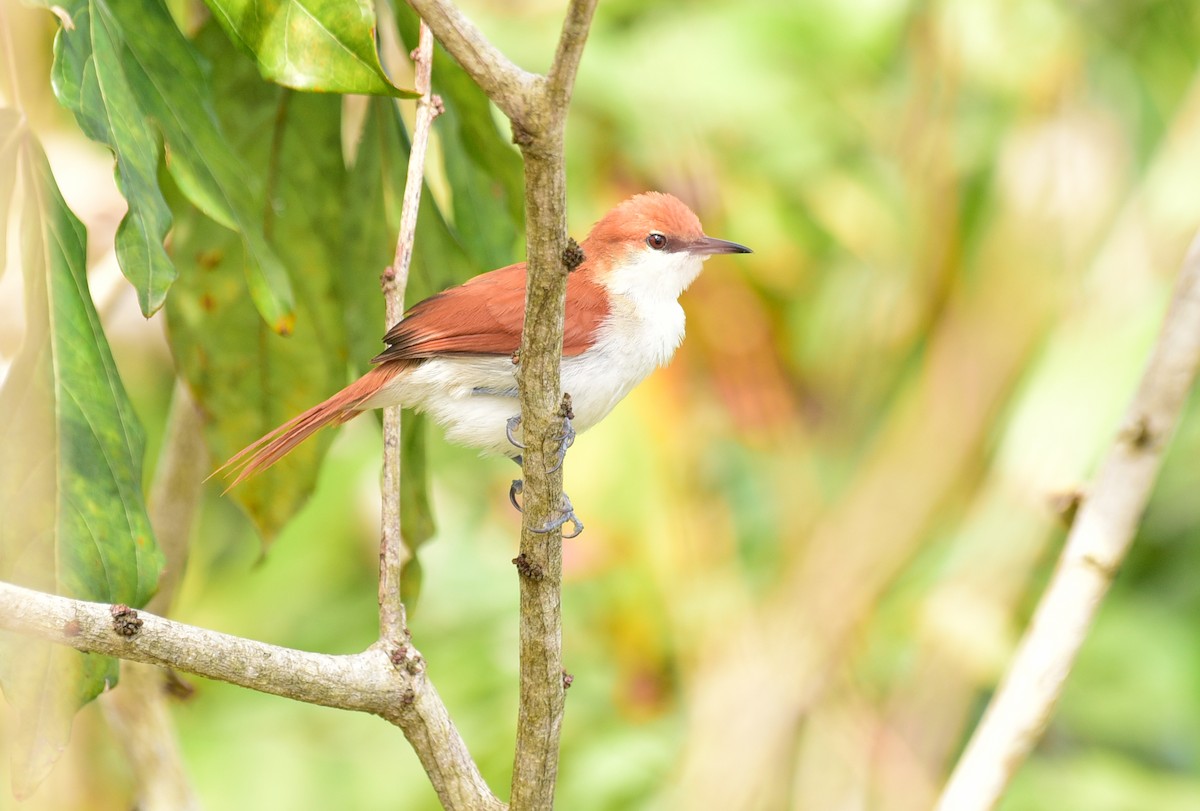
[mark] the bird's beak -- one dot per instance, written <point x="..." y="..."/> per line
<point x="707" y="246"/>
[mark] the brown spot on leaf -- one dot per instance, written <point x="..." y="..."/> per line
<point x="285" y="326"/>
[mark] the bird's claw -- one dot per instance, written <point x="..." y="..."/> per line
<point x="565" y="440"/>
<point x="509" y="427"/>
<point x="565" y="515"/>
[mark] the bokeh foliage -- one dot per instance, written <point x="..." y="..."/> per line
<point x="814" y="539"/>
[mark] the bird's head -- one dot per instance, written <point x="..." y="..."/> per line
<point x="650" y="245"/>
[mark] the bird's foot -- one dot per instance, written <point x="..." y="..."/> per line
<point x="566" y="512"/>
<point x="565" y="439"/>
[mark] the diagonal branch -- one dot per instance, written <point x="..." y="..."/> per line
<point x="561" y="78"/>
<point x="1096" y="546"/>
<point x="387" y="683"/>
<point x="508" y="86"/>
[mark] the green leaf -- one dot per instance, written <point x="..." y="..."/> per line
<point x="125" y="68"/>
<point x="72" y="515"/>
<point x="108" y="111"/>
<point x="322" y="45"/>
<point x="247" y="379"/>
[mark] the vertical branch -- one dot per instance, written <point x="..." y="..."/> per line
<point x="539" y="720"/>
<point x="540" y="134"/>
<point x="392" y="552"/>
<point x="1097" y="544"/>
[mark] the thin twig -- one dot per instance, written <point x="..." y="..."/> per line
<point x="1096" y="546"/>
<point x="383" y="681"/>
<point x="392" y="551"/>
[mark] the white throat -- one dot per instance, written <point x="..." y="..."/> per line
<point x="648" y="275"/>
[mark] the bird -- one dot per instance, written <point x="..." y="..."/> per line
<point x="453" y="354"/>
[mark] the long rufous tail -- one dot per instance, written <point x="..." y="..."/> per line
<point x="341" y="407"/>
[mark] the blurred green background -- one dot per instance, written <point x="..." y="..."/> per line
<point x="814" y="539"/>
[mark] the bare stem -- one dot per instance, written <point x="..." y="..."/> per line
<point x="392" y="550"/>
<point x="540" y="134"/>
<point x="383" y="681"/>
<point x="1096" y="546"/>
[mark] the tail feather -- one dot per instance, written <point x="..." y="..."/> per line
<point x="341" y="407"/>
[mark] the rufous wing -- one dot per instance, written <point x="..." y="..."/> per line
<point x="484" y="316"/>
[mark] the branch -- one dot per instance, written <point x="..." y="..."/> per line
<point x="392" y="551"/>
<point x="1095" y="548"/>
<point x="570" y="52"/>
<point x="387" y="683"/>
<point x="508" y="86"/>
<point x="540" y="136"/>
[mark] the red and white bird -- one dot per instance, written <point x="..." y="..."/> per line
<point x="452" y="355"/>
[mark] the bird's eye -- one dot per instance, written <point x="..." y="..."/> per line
<point x="656" y="241"/>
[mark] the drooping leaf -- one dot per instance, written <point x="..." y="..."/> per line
<point x="108" y="111"/>
<point x="72" y="515"/>
<point x="248" y="380"/>
<point x="124" y="68"/>
<point x="322" y="45"/>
